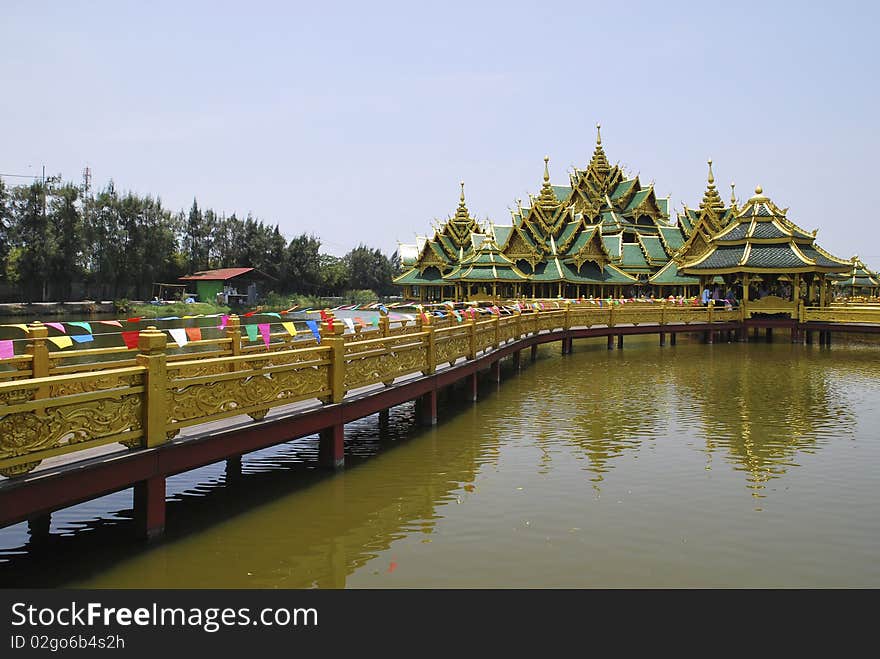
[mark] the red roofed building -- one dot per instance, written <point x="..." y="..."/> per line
<point x="227" y="285"/>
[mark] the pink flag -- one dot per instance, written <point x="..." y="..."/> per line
<point x="264" y="331"/>
<point x="6" y="350"/>
<point x="57" y="326"/>
<point x="114" y="323"/>
<point x="223" y="321"/>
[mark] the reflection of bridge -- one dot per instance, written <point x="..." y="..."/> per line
<point x="313" y="389"/>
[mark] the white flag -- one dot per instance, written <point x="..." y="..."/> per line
<point x="179" y="336"/>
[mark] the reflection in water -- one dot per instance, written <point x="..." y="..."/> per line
<point x="598" y="468"/>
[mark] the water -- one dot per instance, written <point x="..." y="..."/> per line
<point x="685" y="466"/>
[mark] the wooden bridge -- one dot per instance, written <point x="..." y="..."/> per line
<point x="74" y="432"/>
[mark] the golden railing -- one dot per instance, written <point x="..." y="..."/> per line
<point x="853" y="315"/>
<point x="144" y="397"/>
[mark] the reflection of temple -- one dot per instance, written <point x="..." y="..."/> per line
<point x="763" y="410"/>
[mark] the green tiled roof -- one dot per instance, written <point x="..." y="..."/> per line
<point x="622" y="188"/>
<point x="581" y="240"/>
<point x="632" y="257"/>
<point x="550" y="270"/>
<point x="612" y="244"/>
<point x="668" y="275"/>
<point x="502" y="233"/>
<point x="821" y="260"/>
<point x="637" y="199"/>
<point x="567" y="232"/>
<point x="723" y="257"/>
<point x="562" y="192"/>
<point x="673" y="237"/>
<point x="663" y="205"/>
<point x="412" y="277"/>
<point x="773" y="256"/>
<point x="653" y="247"/>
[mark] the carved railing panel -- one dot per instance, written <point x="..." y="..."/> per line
<point x="383" y="360"/>
<point x="33" y="429"/>
<point x="451" y="344"/>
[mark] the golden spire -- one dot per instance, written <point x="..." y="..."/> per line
<point x="759" y="194"/>
<point x="461" y="213"/>
<point x="547" y="196"/>
<point x="599" y="162"/>
<point x="711" y="199"/>
<point x="732" y="193"/>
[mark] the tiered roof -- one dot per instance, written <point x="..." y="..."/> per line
<point x="760" y="238"/>
<point x="604" y="227"/>
<point x="859" y="276"/>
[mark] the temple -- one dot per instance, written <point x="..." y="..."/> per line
<point x="605" y="234"/>
<point x="602" y="234"/>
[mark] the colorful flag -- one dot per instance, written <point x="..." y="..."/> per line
<point x="194" y="333"/>
<point x="21" y="326"/>
<point x="6" y="349"/>
<point x="290" y="327"/>
<point x="266" y="333"/>
<point x="272" y="313"/>
<point x="57" y="326"/>
<point x="360" y="321"/>
<point x="249" y="314"/>
<point x="114" y="323"/>
<point x="135" y="319"/>
<point x="179" y="336"/>
<point x="313" y="325"/>
<point x="61" y="341"/>
<point x="223" y="321"/>
<point x="82" y="338"/>
<point x="252" y="332"/>
<point x="349" y="323"/>
<point x="86" y="326"/>
<point x="130" y="338"/>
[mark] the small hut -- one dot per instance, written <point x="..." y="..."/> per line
<point x="232" y="286"/>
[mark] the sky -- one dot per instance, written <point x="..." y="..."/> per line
<point x="356" y="121"/>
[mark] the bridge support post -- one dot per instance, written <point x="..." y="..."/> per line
<point x="427" y="408"/>
<point x="708" y="337"/>
<point x="620" y="341"/>
<point x="233" y="469"/>
<point x="38" y="528"/>
<point x="472" y="387"/>
<point x="384" y="416"/>
<point x="610" y="342"/>
<point x="755" y="333"/>
<point x="331" y="447"/>
<point x="809" y="337"/>
<point x="149" y="507"/>
<point x="673" y="337"/>
<point x="828" y="338"/>
<point x="495" y="371"/>
<point x="662" y="338"/>
<point x="769" y="335"/>
<point x="517" y="359"/>
<point x="533" y="355"/>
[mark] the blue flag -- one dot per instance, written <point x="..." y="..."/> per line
<point x="313" y="325"/>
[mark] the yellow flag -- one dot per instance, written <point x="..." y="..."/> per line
<point x="61" y="341"/>
<point x="20" y="326"/>
<point x="291" y="329"/>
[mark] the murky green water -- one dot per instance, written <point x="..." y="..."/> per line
<point x="729" y="465"/>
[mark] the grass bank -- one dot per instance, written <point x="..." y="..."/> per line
<point x="174" y="309"/>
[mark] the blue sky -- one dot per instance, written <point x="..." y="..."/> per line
<point x="355" y="121"/>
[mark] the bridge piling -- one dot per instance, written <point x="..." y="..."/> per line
<point x="533" y="355"/>
<point x="809" y="337"/>
<point x="233" y="469"/>
<point x="384" y="417"/>
<point x="611" y="342"/>
<point x="620" y="341"/>
<point x="427" y="408"/>
<point x="517" y="360"/>
<point x="662" y="339"/>
<point x="769" y="335"/>
<point x="495" y="371"/>
<point x="331" y="447"/>
<point x="672" y="338"/>
<point x="38" y="529"/>
<point x="472" y="387"/>
<point x="149" y="508"/>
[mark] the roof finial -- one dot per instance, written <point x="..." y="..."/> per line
<point x="546" y="169"/>
<point x="598" y="134"/>
<point x="711" y="176"/>
<point x="461" y="183"/>
<point x="732" y="193"/>
<point x="759" y="190"/>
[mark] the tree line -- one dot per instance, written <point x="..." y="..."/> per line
<point x="58" y="244"/>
